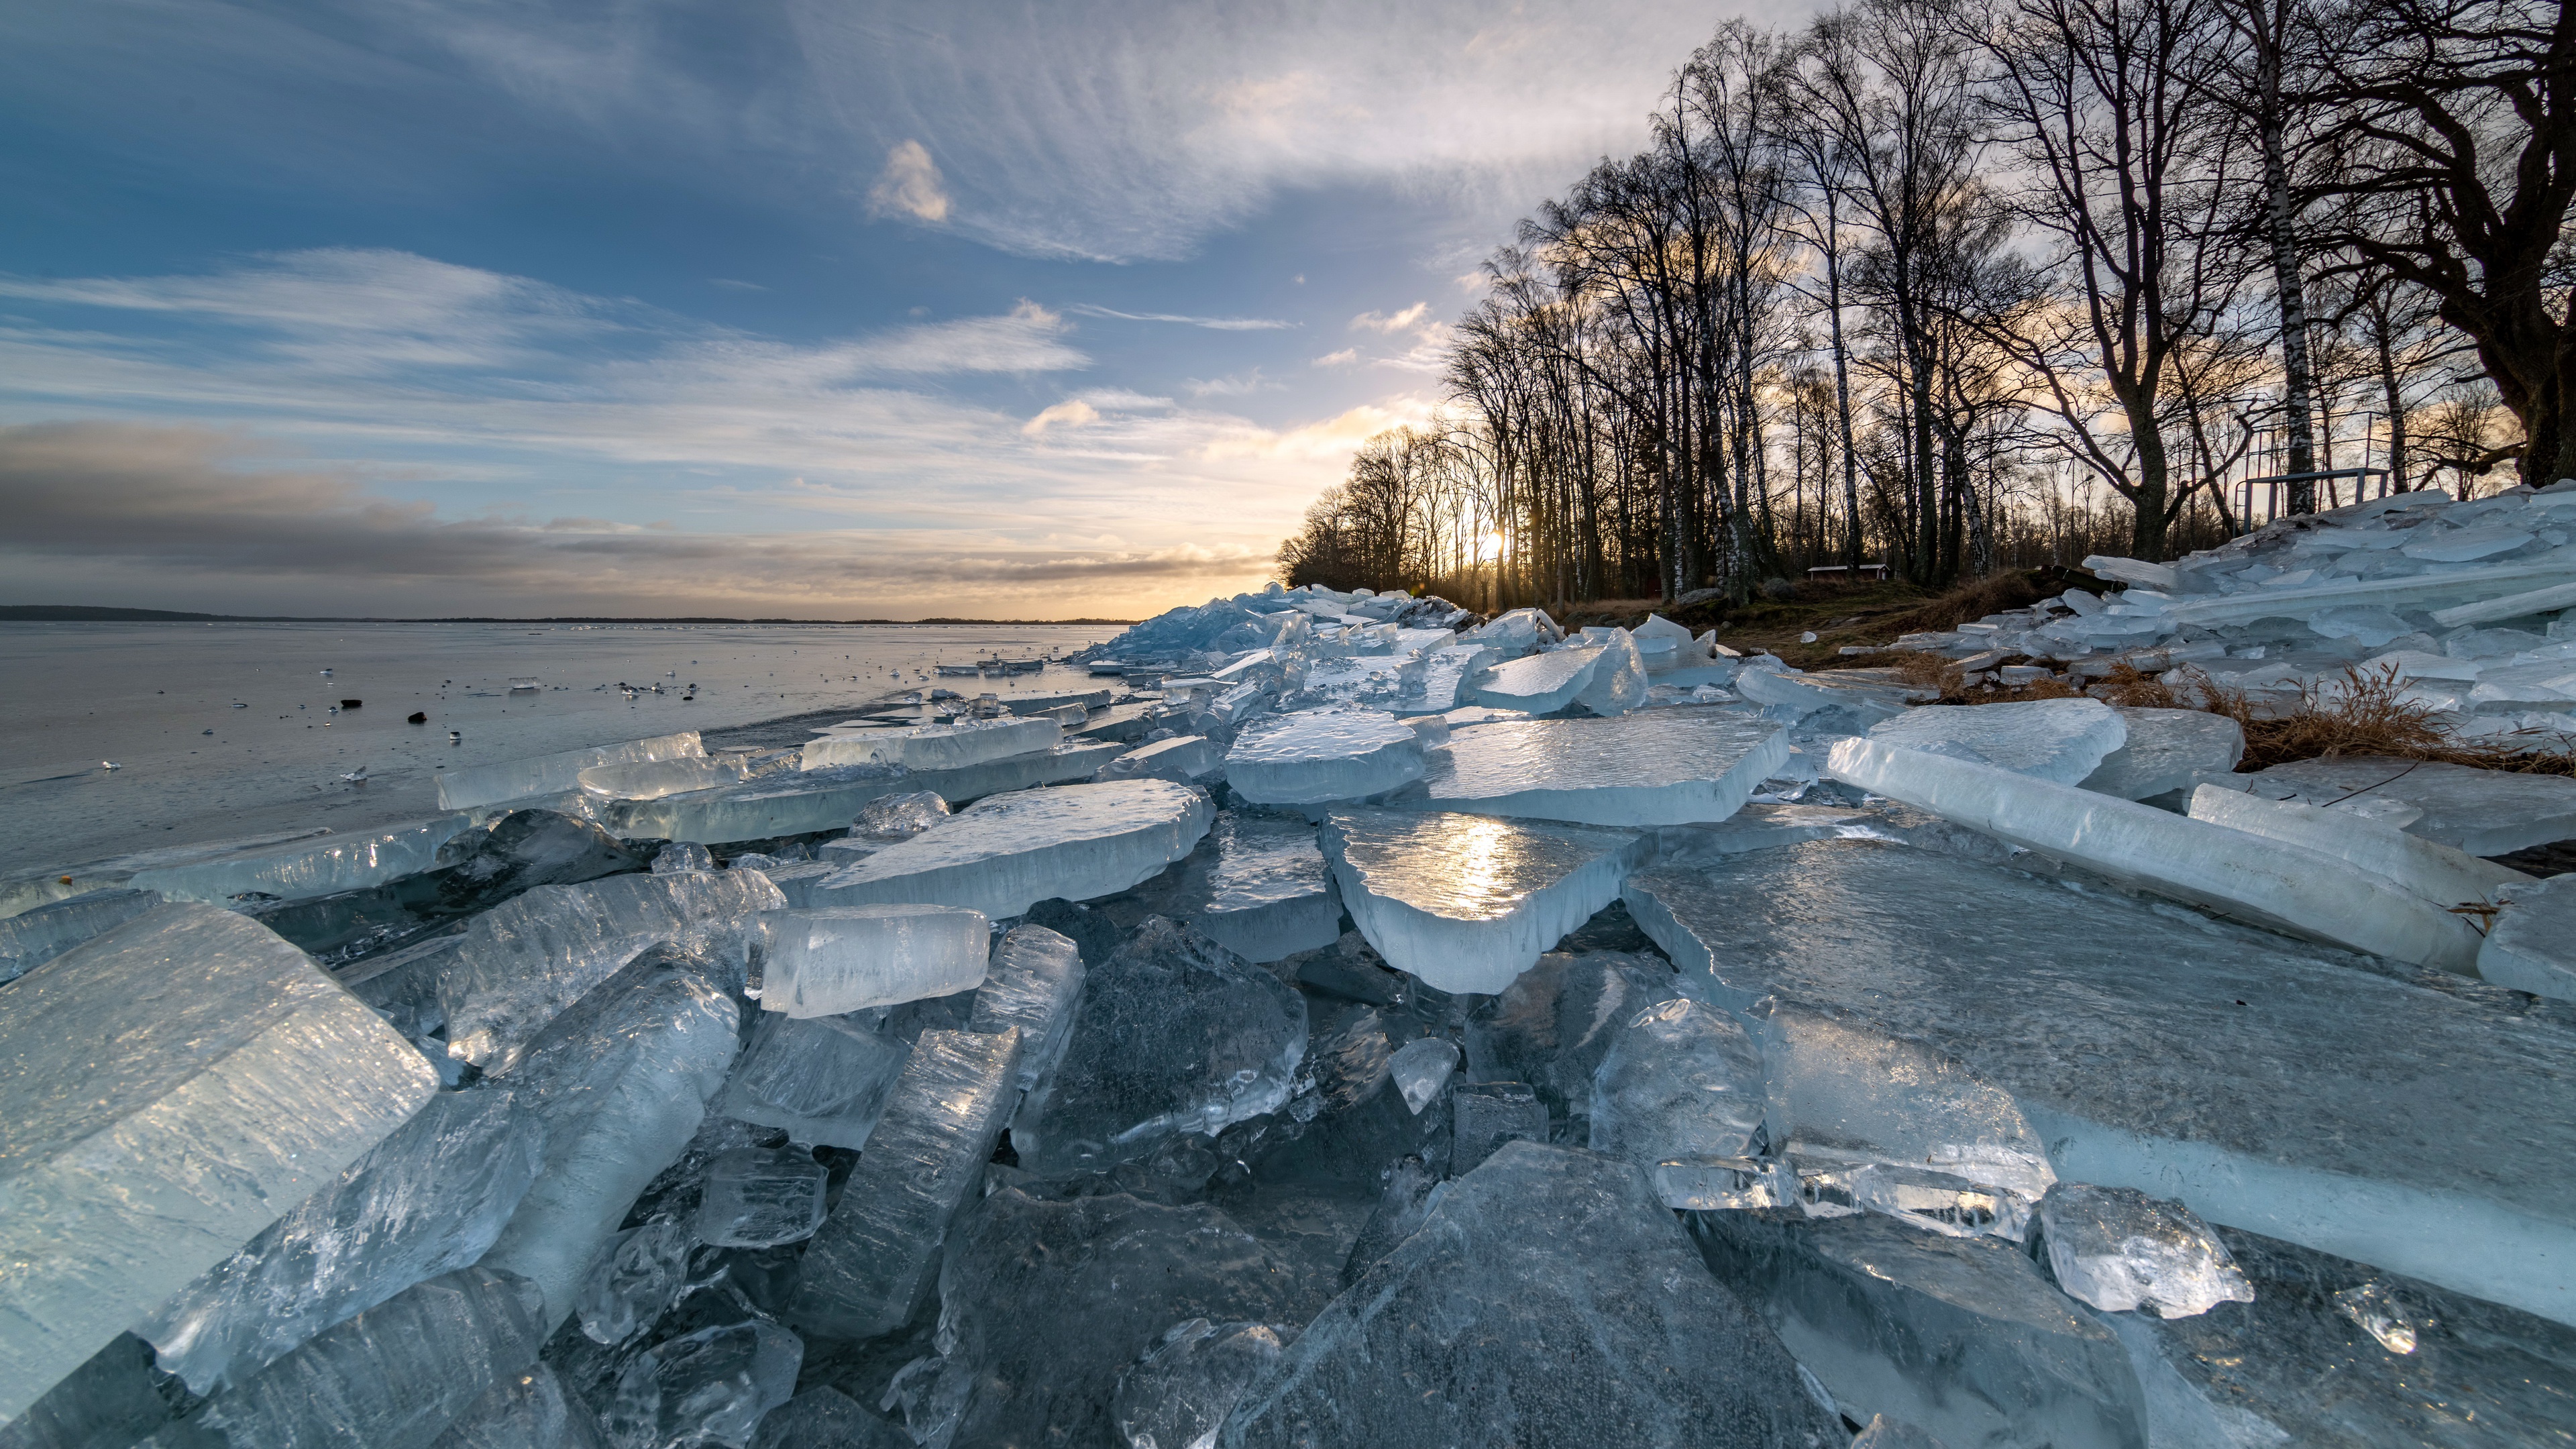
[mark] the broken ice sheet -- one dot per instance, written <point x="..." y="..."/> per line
<point x="2532" y="946"/>
<point x="1657" y="767"/>
<point x="1180" y="1393"/>
<point x="2167" y="749"/>
<point x="426" y="1200"/>
<point x="554" y="774"/>
<point x="1827" y="1186"/>
<point x="821" y="1080"/>
<point x="1680" y="1080"/>
<point x="836" y="959"/>
<point x="643" y="1274"/>
<point x="758" y="1197"/>
<point x="1322" y="755"/>
<point x="1007" y="852"/>
<point x="1860" y="1092"/>
<point x="1035" y="984"/>
<point x="2435" y="873"/>
<point x="2057" y="740"/>
<point x="2119" y="1249"/>
<point x="1422" y="1067"/>
<point x="1485" y="1115"/>
<point x="1465" y="902"/>
<point x="2482" y="812"/>
<point x="526" y="1410"/>
<point x="710" y="1387"/>
<point x="32" y="938"/>
<point x="1271" y="894"/>
<point x="1540" y="683"/>
<point x="242" y="1079"/>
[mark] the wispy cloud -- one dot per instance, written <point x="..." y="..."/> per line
<point x="1240" y="385"/>
<point x="1071" y="413"/>
<point x="910" y="186"/>
<point x="1390" y="322"/>
<point x="1214" y="324"/>
<point x="1344" y="358"/>
<point x="734" y="284"/>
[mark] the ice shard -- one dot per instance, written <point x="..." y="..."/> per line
<point x="802" y="803"/>
<point x="1655" y="767"/>
<point x="1174" y="1034"/>
<point x="826" y="1418"/>
<point x="653" y="779"/>
<point x="2118" y="1249"/>
<point x="1271" y="894"/>
<point x="2057" y="740"/>
<point x="2435" y="873"/>
<point x="757" y="1197"/>
<point x="2268" y="882"/>
<point x="1539" y="683"/>
<point x="1181" y="1392"/>
<point x="391" y="1378"/>
<point x="1035" y="985"/>
<point x="527" y="959"/>
<point x="821" y="1081"/>
<point x="1680" y="1080"/>
<point x="1855" y="1091"/>
<point x="620" y="1083"/>
<point x="706" y="1388"/>
<point x="1622" y="1343"/>
<point x="1183" y="760"/>
<point x="845" y="958"/>
<point x="1618" y="682"/>
<point x="1011" y="851"/>
<point x="2482" y="812"/>
<point x="1485" y="1115"/>
<point x="2167" y="749"/>
<point x="877" y="1255"/>
<point x="554" y="774"/>
<point x="237" y="1080"/>
<point x="2532" y="946"/>
<point x="32" y="938"/>
<point x="2298" y="1114"/>
<point x="2298" y="601"/>
<point x="629" y="1289"/>
<point x="937" y="747"/>
<point x="319" y="867"/>
<point x="1421" y="1069"/>
<point x="1323" y="755"/>
<point x="526" y="1410"/>
<point x="426" y="1200"/>
<point x="1465" y="902"/>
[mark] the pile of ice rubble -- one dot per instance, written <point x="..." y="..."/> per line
<point x="1387" y="1034"/>
<point x="2462" y="602"/>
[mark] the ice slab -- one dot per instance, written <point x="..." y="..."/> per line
<point x="757" y="1197"/>
<point x="2418" y="591"/>
<point x="235" y="1079"/>
<point x="2269" y="882"/>
<point x="653" y="779"/>
<point x="1539" y="683"/>
<point x="2300" y="1114"/>
<point x="2167" y="749"/>
<point x="1446" y="674"/>
<point x="2436" y="873"/>
<point x="32" y="938"/>
<point x="528" y="958"/>
<point x="554" y="774"/>
<point x="338" y="862"/>
<point x="1517" y="632"/>
<point x="1421" y="1069"/>
<point x="2057" y="740"/>
<point x="1181" y="1392"/>
<point x="391" y="1378"/>
<point x="1680" y="1080"/>
<point x="1322" y="755"/>
<point x="709" y="1388"/>
<point x="620" y="1084"/>
<point x="1485" y="1115"/>
<point x="826" y="1418"/>
<point x="636" y="1281"/>
<point x="1034" y="984"/>
<point x="426" y="1200"/>
<point x="1657" y="767"/>
<point x="2511" y="606"/>
<point x="1960" y="1336"/>
<point x="2482" y="812"/>
<point x="2532" y="945"/>
<point x="802" y="803"/>
<point x="1866" y="698"/>
<point x="1467" y="902"/>
<point x="1271" y="894"/>
<point x="836" y="959"/>
<point x="1626" y="1341"/>
<point x="2118" y="1249"/>
<point x="937" y="747"/>
<point x="821" y="1081"/>
<point x="1010" y="851"/>
<point x="1618" y="682"/>
<point x="530" y="1409"/>
<point x="1183" y="760"/>
<point x="1853" y="1091"/>
<point x="876" y="1256"/>
<point x="1174" y="1035"/>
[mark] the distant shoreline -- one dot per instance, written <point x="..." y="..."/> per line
<point x="92" y="614"/>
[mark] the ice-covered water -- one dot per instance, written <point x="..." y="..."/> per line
<point x="142" y="695"/>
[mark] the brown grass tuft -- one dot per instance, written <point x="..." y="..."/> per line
<point x="2367" y="716"/>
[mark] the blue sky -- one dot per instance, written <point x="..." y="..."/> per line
<point x="805" y="309"/>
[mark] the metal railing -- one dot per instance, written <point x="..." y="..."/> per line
<point x="2272" y="484"/>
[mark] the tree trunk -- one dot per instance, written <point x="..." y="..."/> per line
<point x="2147" y="495"/>
<point x="2297" y="378"/>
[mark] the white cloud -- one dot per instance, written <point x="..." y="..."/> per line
<point x="1343" y="358"/>
<point x="1391" y="322"/>
<point x="731" y="284"/>
<point x="910" y="185"/>
<point x="1215" y="324"/>
<point x="1241" y="385"/>
<point x="1071" y="413"/>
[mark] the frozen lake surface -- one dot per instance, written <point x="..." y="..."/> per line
<point x="145" y="695"/>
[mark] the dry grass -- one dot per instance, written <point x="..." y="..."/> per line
<point x="2365" y="714"/>
<point x="2017" y="589"/>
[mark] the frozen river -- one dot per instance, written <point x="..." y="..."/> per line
<point x="226" y="730"/>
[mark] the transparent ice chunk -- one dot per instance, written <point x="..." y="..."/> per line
<point x="2434" y="873"/>
<point x="167" y="1089"/>
<point x="1540" y="683"/>
<point x="644" y="1273"/>
<point x="1035" y="985"/>
<point x="900" y="817"/>
<point x="554" y="774"/>
<point x="2268" y="882"/>
<point x="1940" y="1202"/>
<point x="1517" y="632"/>
<point x="1618" y="682"/>
<point x="1491" y="1298"/>
<point x="305" y="868"/>
<point x="1271" y="894"/>
<point x="2532" y="946"/>
<point x="1322" y="755"/>
<point x="757" y="1197"/>
<point x="1179" y="1394"/>
<point x="1465" y="902"/>
<point x="1175" y="1034"/>
<point x="620" y="1083"/>
<point x="1680" y="1080"/>
<point x="836" y="959"/>
<point x="1725" y="1184"/>
<point x="1421" y="1068"/>
<point x="706" y="1388"/>
<point x="801" y="803"/>
<point x="1658" y="767"/>
<point x="529" y="958"/>
<point x="937" y="747"/>
<point x="876" y="1256"/>
<point x="1861" y="1092"/>
<point x="826" y="1418"/>
<point x="683" y="855"/>
<point x="2166" y="749"/>
<point x="526" y="1410"/>
<point x="391" y="1378"/>
<point x="821" y="1080"/>
<point x="2299" y="1114"/>
<point x="426" y="1200"/>
<point x="2118" y="1249"/>
<point x="32" y="938"/>
<point x="653" y="779"/>
<point x="2482" y="812"/>
<point x="1010" y="851"/>
<point x="1183" y="760"/>
<point x="2057" y="740"/>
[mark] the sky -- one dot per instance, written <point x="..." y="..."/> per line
<point x="774" y="308"/>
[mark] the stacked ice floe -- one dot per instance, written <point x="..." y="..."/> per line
<point x="2463" y="602"/>
<point x="1392" y="1028"/>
